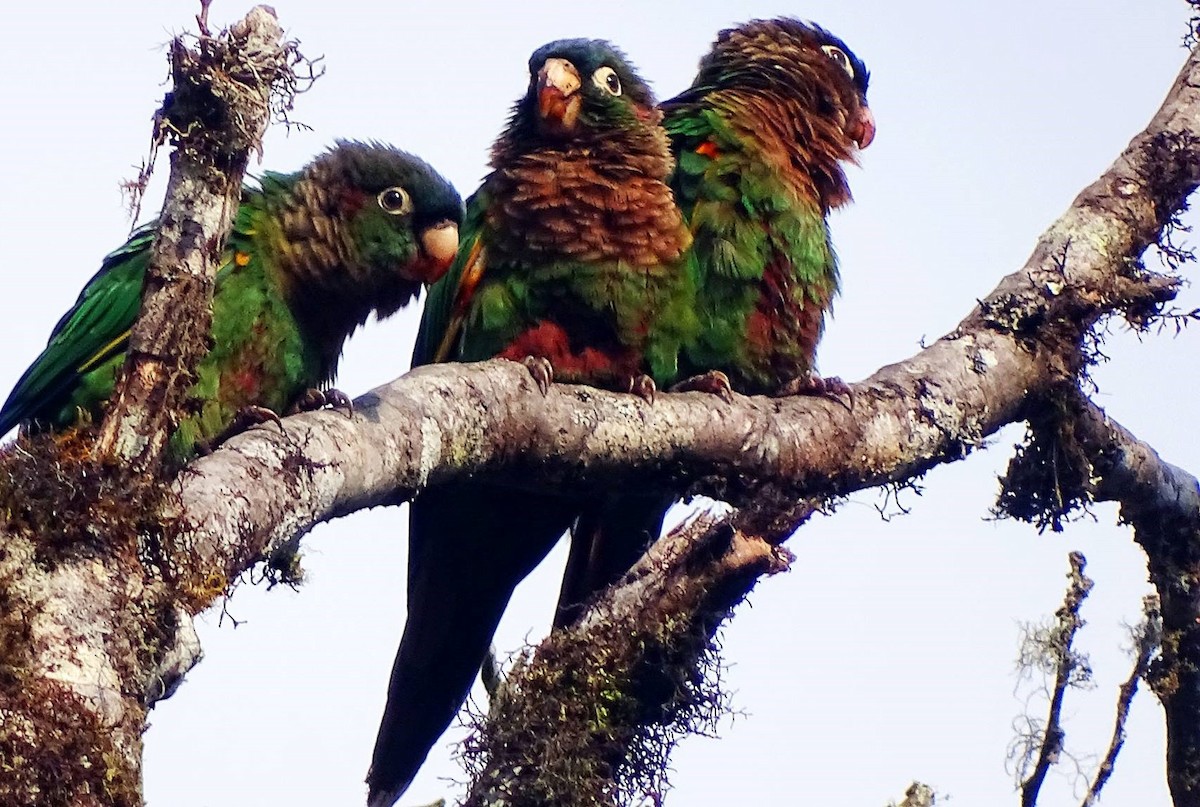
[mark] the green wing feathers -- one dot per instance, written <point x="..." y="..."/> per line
<point x="86" y="345"/>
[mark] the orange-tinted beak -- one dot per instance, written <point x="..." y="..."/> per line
<point x="862" y="128"/>
<point x="558" y="95"/>
<point x="439" y="243"/>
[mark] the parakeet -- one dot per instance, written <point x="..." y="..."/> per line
<point x="311" y="255"/>
<point x="760" y="138"/>
<point x="572" y="252"/>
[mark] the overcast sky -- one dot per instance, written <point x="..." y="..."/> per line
<point x="887" y="653"/>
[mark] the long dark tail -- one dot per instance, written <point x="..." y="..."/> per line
<point x="609" y="537"/>
<point x="469" y="546"/>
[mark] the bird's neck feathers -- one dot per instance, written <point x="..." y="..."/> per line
<point x="303" y="228"/>
<point x="596" y="197"/>
<point x="640" y="145"/>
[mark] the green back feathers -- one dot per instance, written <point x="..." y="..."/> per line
<point x="87" y="337"/>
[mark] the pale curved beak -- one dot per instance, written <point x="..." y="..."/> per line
<point x="862" y="129"/>
<point x="439" y="243"/>
<point x="557" y="94"/>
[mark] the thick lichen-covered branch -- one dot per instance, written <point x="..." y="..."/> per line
<point x="442" y="422"/>
<point x="591" y="717"/>
<point x="93" y="626"/>
<point x="214" y="116"/>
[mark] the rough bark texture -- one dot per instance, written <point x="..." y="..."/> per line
<point x="592" y="716"/>
<point x="93" y="628"/>
<point x="96" y="583"/>
<point x="215" y="117"/>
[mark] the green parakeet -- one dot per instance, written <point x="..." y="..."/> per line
<point x="311" y="255"/>
<point x="572" y="251"/>
<point x="776" y="109"/>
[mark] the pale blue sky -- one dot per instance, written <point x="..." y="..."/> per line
<point x="887" y="653"/>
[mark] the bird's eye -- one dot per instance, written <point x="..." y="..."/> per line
<point x="606" y="79"/>
<point x="839" y="57"/>
<point x="396" y="201"/>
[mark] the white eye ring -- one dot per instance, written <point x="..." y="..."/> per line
<point x="606" y="79"/>
<point x="839" y="57"/>
<point x="395" y="200"/>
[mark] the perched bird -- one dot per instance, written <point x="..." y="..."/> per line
<point x="761" y="135"/>
<point x="776" y="109"/>
<point x="311" y="255"/>
<point x="572" y="254"/>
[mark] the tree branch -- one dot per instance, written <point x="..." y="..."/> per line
<point x="1055" y="647"/>
<point x="1147" y="638"/>
<point x="91" y="632"/>
<point x="443" y="422"/>
<point x="215" y="116"/>
<point x="1162" y="504"/>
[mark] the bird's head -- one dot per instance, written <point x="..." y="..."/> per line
<point x="859" y="122"/>
<point x="792" y="93"/>
<point x="583" y="87"/>
<point x="801" y="70"/>
<point x="401" y="215"/>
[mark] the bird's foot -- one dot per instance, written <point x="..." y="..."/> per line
<point x="714" y="382"/>
<point x="644" y="387"/>
<point x="313" y="399"/>
<point x="246" y="417"/>
<point x="830" y="387"/>
<point x="339" y="400"/>
<point x="542" y="371"/>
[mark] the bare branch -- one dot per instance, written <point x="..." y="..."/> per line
<point x="1067" y="667"/>
<point x="1146" y="642"/>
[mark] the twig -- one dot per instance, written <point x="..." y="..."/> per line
<point x="202" y="18"/>
<point x="1061" y="639"/>
<point x="1147" y="637"/>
